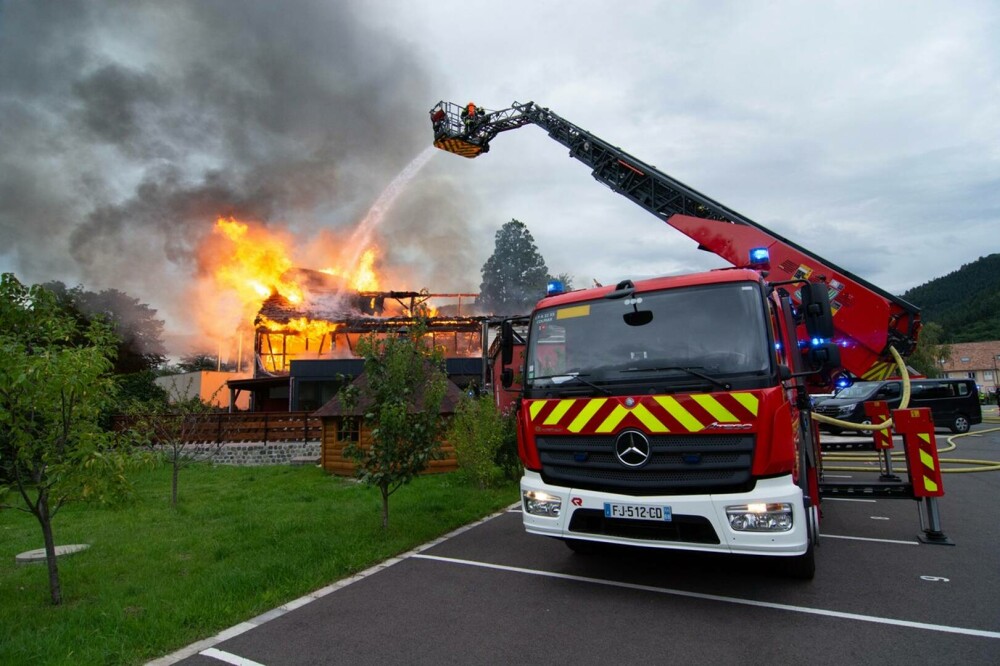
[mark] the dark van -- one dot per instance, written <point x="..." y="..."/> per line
<point x="954" y="403"/>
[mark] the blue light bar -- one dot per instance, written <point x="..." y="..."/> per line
<point x="759" y="256"/>
<point x="554" y="287"/>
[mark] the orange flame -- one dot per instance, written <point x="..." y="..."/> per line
<point x="243" y="263"/>
<point x="363" y="277"/>
<point x="309" y="328"/>
<point x="256" y="264"/>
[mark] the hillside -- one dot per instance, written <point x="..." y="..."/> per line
<point x="966" y="303"/>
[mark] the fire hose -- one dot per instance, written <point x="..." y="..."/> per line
<point x="978" y="465"/>
<point x="904" y="403"/>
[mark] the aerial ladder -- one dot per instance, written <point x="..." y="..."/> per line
<point x="868" y="321"/>
<point x="873" y="329"/>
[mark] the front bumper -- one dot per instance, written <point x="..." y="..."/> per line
<point x="699" y="521"/>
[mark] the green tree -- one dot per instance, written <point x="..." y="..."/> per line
<point x="515" y="275"/>
<point x="54" y="382"/>
<point x="966" y="302"/>
<point x="565" y="278"/>
<point x="201" y="361"/>
<point x="139" y="332"/>
<point x="400" y="397"/>
<point x="140" y="387"/>
<point x="485" y="442"/>
<point x="930" y="350"/>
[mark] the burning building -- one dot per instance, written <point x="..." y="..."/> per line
<point x="308" y="322"/>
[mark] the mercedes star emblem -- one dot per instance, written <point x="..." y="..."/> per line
<point x="632" y="448"/>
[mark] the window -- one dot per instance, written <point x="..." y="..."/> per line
<point x="890" y="391"/>
<point x="933" y="391"/>
<point x="349" y="429"/>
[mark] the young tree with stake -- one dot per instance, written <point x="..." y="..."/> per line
<point x="401" y="402"/>
<point x="54" y="381"/>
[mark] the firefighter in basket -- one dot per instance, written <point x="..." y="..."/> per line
<point x="471" y="115"/>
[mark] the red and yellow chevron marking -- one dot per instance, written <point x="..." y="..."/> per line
<point x="917" y="428"/>
<point x="928" y="461"/>
<point x="652" y="414"/>
<point x="879" y="371"/>
<point x="878" y="412"/>
<point x="883" y="438"/>
<point x="459" y="147"/>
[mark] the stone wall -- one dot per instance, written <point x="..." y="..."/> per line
<point x="255" y="453"/>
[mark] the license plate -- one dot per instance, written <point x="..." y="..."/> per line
<point x="637" y="511"/>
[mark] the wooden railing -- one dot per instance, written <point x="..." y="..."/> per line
<point x="266" y="427"/>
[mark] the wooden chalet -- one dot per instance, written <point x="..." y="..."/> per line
<point x="342" y="425"/>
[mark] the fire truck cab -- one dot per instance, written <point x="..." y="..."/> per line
<point x="669" y="413"/>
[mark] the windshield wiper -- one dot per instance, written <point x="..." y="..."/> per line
<point x="575" y="376"/>
<point x="725" y="386"/>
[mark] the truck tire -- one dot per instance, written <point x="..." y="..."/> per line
<point x="801" y="567"/>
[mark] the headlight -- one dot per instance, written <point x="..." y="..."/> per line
<point x="538" y="503"/>
<point x="760" y="517"/>
<point x="845" y="411"/>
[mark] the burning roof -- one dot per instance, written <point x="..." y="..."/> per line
<point x="301" y="313"/>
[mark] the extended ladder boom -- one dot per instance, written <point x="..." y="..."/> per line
<point x="868" y="319"/>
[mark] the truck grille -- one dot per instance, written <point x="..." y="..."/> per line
<point x="687" y="529"/>
<point x="678" y="464"/>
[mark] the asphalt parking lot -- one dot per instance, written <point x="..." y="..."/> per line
<point x="490" y="593"/>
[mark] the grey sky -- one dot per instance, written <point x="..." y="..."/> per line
<point x="866" y="132"/>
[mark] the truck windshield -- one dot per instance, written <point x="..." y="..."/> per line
<point x="702" y="334"/>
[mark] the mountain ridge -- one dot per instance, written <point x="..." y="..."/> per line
<point x="965" y="302"/>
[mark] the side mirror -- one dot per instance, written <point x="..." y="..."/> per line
<point x="506" y="378"/>
<point x="816" y="310"/>
<point x="506" y="344"/>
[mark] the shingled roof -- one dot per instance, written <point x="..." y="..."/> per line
<point x="972" y="356"/>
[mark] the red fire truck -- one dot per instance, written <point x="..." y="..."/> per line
<point x="674" y="412"/>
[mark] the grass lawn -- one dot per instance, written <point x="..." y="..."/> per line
<point x="241" y="541"/>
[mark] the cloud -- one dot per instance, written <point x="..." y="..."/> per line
<point x="128" y="128"/>
<point x="865" y="133"/>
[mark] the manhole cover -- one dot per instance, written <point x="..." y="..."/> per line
<point x="36" y="556"/>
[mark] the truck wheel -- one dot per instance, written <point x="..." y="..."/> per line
<point x="801" y="567"/>
<point x="960" y="424"/>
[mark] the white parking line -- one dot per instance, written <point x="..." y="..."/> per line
<point x="229" y="658"/>
<point x="197" y="648"/>
<point x="714" y="597"/>
<point x="855" y="538"/>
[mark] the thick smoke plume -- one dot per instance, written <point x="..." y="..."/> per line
<point x="127" y="128"/>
